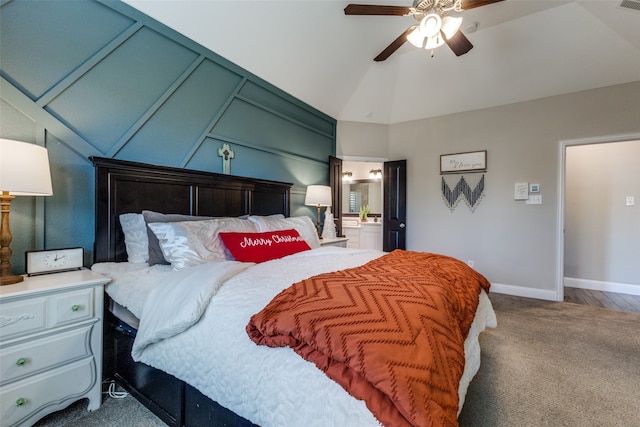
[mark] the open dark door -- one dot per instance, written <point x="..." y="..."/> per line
<point x="335" y="182"/>
<point x="394" y="228"/>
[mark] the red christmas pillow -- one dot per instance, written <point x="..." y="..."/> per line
<point x="265" y="246"/>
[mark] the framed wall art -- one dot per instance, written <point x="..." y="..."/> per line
<point x="473" y="161"/>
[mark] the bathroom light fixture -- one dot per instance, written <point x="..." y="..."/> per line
<point x="346" y="176"/>
<point x="375" y="173"/>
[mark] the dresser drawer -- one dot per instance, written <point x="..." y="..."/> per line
<point x="70" y="307"/>
<point x="21" y="360"/>
<point x="20" y="400"/>
<point x="22" y="317"/>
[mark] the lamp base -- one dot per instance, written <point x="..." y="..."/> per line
<point x="10" y="280"/>
<point x="6" y="276"/>
<point x="318" y="224"/>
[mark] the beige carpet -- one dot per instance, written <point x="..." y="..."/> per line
<point x="556" y="364"/>
<point x="547" y="364"/>
<point x="125" y="412"/>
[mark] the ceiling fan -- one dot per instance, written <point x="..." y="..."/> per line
<point x="435" y="26"/>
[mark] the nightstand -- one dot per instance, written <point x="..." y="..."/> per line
<point x="336" y="241"/>
<point x="50" y="344"/>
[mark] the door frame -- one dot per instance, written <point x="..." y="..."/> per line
<point x="336" y="181"/>
<point x="562" y="164"/>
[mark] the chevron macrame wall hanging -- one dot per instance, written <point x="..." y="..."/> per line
<point x="471" y="197"/>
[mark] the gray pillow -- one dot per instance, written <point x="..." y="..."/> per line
<point x="155" y="253"/>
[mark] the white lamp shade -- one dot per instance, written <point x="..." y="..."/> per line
<point x="24" y="169"/>
<point x="430" y="25"/>
<point x="318" y="195"/>
<point x="416" y="38"/>
<point x="428" y="34"/>
<point x="451" y="25"/>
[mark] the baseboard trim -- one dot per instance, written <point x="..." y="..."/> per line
<point x="519" y="291"/>
<point x="596" y="285"/>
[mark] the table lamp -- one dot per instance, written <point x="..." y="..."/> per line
<point x="319" y="196"/>
<point x="24" y="171"/>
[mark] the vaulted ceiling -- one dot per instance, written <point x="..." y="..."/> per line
<point x="523" y="50"/>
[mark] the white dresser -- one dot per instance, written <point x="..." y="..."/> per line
<point x="50" y="345"/>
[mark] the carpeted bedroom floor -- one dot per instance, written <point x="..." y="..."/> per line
<point x="556" y="364"/>
<point x="547" y="364"/>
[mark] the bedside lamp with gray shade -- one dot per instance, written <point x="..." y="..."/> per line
<point x="319" y="196"/>
<point x="24" y="171"/>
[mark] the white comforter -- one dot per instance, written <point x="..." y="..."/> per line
<point x="179" y="300"/>
<point x="268" y="386"/>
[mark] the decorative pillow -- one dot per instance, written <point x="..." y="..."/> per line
<point x="265" y="246"/>
<point x="155" y="253"/>
<point x="135" y="237"/>
<point x="302" y="224"/>
<point x="189" y="243"/>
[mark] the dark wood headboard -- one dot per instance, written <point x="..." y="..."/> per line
<point x="130" y="187"/>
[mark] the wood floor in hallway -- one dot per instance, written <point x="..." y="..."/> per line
<point x="612" y="300"/>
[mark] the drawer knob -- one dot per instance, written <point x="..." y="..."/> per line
<point x="75" y="307"/>
<point x="21" y="401"/>
<point x="21" y="362"/>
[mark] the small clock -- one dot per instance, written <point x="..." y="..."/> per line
<point x="54" y="260"/>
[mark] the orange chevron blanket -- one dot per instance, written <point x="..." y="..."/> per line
<point x="390" y="332"/>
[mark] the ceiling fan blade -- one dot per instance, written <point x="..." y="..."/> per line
<point x="370" y="9"/>
<point x="395" y="45"/>
<point x="459" y="43"/>
<point x="472" y="4"/>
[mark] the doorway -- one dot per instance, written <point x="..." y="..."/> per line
<point x="370" y="195"/>
<point x="594" y="221"/>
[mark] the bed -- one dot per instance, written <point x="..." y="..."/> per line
<point x="202" y="333"/>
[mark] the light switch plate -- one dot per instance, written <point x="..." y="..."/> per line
<point x="630" y="201"/>
<point x="534" y="199"/>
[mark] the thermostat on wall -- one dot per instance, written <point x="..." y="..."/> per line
<point x="534" y="188"/>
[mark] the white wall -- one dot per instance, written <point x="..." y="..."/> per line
<point x="357" y="139"/>
<point x="602" y="234"/>
<point x="513" y="244"/>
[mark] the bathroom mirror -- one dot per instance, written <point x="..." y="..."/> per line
<point x="362" y="192"/>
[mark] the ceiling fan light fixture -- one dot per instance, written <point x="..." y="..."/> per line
<point x="451" y="25"/>
<point x="431" y="25"/>
<point x="433" y="42"/>
<point x="416" y="38"/>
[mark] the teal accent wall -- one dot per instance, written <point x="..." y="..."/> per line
<point x="99" y="78"/>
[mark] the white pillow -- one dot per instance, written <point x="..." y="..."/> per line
<point x="189" y="243"/>
<point x="135" y="237"/>
<point x="302" y="224"/>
